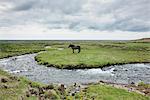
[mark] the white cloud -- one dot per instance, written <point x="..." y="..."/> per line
<point x="39" y="32"/>
<point x="77" y="16"/>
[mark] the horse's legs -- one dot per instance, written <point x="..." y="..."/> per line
<point x="79" y="50"/>
<point x="73" y="50"/>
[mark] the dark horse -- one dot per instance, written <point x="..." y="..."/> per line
<point x="74" y="47"/>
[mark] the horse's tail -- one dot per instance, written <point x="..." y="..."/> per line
<point x="79" y="49"/>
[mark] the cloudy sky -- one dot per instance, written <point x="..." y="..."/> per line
<point x="74" y="19"/>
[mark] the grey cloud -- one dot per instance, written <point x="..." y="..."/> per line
<point x="132" y="25"/>
<point x="125" y="15"/>
<point x="24" y="6"/>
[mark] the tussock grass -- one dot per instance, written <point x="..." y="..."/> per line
<point x="18" y="88"/>
<point x="104" y="92"/>
<point x="13" y="88"/>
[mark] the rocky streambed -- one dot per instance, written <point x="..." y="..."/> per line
<point x="25" y="65"/>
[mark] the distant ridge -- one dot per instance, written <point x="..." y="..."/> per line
<point x="144" y="40"/>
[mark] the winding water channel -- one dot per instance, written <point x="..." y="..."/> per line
<point x="25" y="65"/>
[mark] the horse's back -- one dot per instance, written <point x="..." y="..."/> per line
<point x="78" y="46"/>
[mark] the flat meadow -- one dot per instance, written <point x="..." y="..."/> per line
<point x="94" y="54"/>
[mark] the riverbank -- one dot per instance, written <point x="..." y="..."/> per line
<point x="95" y="55"/>
<point x="20" y="88"/>
<point x="26" y="65"/>
<point x="109" y="91"/>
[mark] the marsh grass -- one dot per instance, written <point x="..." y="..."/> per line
<point x="95" y="55"/>
<point x="8" y="49"/>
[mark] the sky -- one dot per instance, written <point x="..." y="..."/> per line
<point x="74" y="19"/>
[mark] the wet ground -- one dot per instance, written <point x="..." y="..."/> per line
<point x="25" y="65"/>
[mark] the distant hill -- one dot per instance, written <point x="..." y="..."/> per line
<point x="144" y="40"/>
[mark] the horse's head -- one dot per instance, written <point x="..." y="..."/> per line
<point x="70" y="45"/>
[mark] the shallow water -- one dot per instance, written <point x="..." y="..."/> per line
<point x="25" y="65"/>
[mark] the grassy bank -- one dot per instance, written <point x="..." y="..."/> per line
<point x="104" y="92"/>
<point x="18" y="88"/>
<point x="13" y="88"/>
<point x="95" y="55"/>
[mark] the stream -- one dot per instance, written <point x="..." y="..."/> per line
<point x="25" y="65"/>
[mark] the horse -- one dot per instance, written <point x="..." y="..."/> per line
<point x="74" y="47"/>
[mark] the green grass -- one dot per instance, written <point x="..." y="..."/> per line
<point x="144" y="85"/>
<point x="16" y="88"/>
<point x="95" y="54"/>
<point x="104" y="92"/>
<point x="12" y="48"/>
